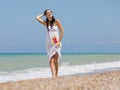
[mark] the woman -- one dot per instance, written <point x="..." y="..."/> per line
<point x="53" y="40"/>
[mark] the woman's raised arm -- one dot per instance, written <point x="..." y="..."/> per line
<point x="39" y="19"/>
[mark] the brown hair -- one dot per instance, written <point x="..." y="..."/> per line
<point x="47" y="21"/>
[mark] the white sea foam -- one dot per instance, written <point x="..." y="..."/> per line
<point x="65" y="69"/>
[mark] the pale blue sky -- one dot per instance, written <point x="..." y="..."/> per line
<point x="89" y="25"/>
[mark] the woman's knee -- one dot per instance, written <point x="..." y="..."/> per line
<point x="56" y="61"/>
<point x="56" y="56"/>
<point x="51" y="60"/>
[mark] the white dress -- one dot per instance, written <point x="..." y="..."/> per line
<point x="51" y="40"/>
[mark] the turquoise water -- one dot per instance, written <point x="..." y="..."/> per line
<point x="20" y="61"/>
<point x="17" y="66"/>
<point x="11" y="62"/>
<point x="88" y="58"/>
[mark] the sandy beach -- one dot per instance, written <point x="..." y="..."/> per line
<point x="102" y="81"/>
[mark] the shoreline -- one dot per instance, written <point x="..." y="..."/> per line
<point x="97" y="72"/>
<point x="108" y="80"/>
<point x="76" y="74"/>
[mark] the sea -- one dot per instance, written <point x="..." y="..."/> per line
<point x="24" y="66"/>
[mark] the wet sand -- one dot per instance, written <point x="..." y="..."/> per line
<point x="99" y="81"/>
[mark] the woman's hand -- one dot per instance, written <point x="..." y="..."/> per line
<point x="58" y="44"/>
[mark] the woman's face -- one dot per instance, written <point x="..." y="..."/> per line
<point x="48" y="14"/>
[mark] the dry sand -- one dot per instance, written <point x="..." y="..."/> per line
<point x="104" y="81"/>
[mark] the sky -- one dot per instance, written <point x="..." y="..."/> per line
<point x="90" y="26"/>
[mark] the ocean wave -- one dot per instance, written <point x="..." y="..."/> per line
<point x="64" y="69"/>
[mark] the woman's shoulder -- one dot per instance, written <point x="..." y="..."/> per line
<point x="57" y="21"/>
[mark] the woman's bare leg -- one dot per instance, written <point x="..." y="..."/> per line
<point x="52" y="67"/>
<point x="56" y="64"/>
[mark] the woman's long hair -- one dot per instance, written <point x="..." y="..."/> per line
<point x="47" y="21"/>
